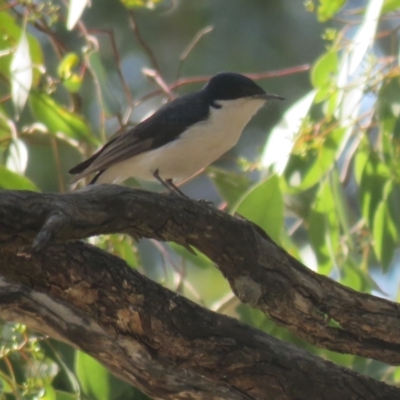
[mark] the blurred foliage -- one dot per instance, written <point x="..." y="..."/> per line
<point x="326" y="186"/>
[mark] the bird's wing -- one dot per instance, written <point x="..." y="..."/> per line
<point x="162" y="127"/>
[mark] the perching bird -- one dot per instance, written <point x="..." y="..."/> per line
<point x="182" y="137"/>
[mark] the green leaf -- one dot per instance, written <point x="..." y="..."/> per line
<point x="306" y="169"/>
<point x="373" y="180"/>
<point x="75" y="11"/>
<point x="49" y="393"/>
<point x="59" y="121"/>
<point x="390" y="6"/>
<point x="199" y="260"/>
<point x="5" y="385"/>
<point x="140" y="3"/>
<point x="71" y="80"/>
<point x="361" y="159"/>
<point x="230" y="185"/>
<point x="5" y="130"/>
<point x="280" y="141"/>
<point x="324" y="69"/>
<point x="323" y="75"/>
<point x="12" y="181"/>
<point x="324" y="228"/>
<point x="93" y="377"/>
<point x="384" y="230"/>
<point x="263" y="205"/>
<point x="17" y="156"/>
<point x="328" y="8"/>
<point x="342" y="211"/>
<point x="389" y="121"/>
<point x="60" y="395"/>
<point x="109" y="102"/>
<point x="21" y="74"/>
<point x="10" y="35"/>
<point x="389" y="104"/>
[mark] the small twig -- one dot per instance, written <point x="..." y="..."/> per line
<point x="9" y="5"/>
<point x="205" y="78"/>
<point x="191" y="46"/>
<point x="5" y="98"/>
<point x="58" y="46"/>
<point x="155" y="76"/>
<point x="117" y="59"/>
<point x="134" y="26"/>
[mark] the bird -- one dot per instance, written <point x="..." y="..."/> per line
<point x="180" y="138"/>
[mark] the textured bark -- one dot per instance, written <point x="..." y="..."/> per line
<point x="163" y="343"/>
<point x="159" y="341"/>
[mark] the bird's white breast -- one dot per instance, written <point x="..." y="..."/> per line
<point x="196" y="148"/>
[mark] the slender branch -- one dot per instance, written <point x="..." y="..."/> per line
<point x="134" y="26"/>
<point x="203" y="79"/>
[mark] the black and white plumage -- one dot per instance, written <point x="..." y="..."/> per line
<point x="182" y="137"/>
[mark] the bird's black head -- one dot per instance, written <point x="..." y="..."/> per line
<point x="232" y="86"/>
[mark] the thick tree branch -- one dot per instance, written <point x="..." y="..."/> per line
<point x="260" y="273"/>
<point x="159" y="341"/>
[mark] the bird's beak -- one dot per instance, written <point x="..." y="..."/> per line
<point x="268" y="96"/>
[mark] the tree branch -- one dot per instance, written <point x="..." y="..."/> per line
<point x="260" y="273"/>
<point x="157" y="340"/>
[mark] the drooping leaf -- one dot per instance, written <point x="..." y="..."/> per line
<point x="324" y="228"/>
<point x="230" y="185"/>
<point x="361" y="159"/>
<point x="350" y="72"/>
<point x="365" y="35"/>
<point x="10" y="35"/>
<point x="21" y="74"/>
<point x="373" y="181"/>
<point x="75" y="11"/>
<point x="389" y="121"/>
<point x="59" y="121"/>
<point x="5" y="385"/>
<point x="60" y="395"/>
<point x="323" y="68"/>
<point x="385" y="232"/>
<point x="12" y="181"/>
<point x="109" y="102"/>
<point x="281" y="139"/>
<point x="49" y="392"/>
<point x="198" y="259"/>
<point x="94" y="378"/>
<point x="323" y="75"/>
<point x="306" y="169"/>
<point x="17" y="156"/>
<point x="5" y="130"/>
<point x="263" y="205"/>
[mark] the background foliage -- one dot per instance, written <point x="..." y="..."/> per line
<point x="325" y="182"/>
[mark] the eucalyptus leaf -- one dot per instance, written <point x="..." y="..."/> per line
<point x="263" y="205"/>
<point x="93" y="377"/>
<point x="12" y="181"/>
<point x="21" y="74"/>
<point x="59" y="120"/>
<point x="9" y="39"/>
<point x="75" y="10"/>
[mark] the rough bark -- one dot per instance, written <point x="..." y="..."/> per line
<point x="159" y="341"/>
<point x="163" y="343"/>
